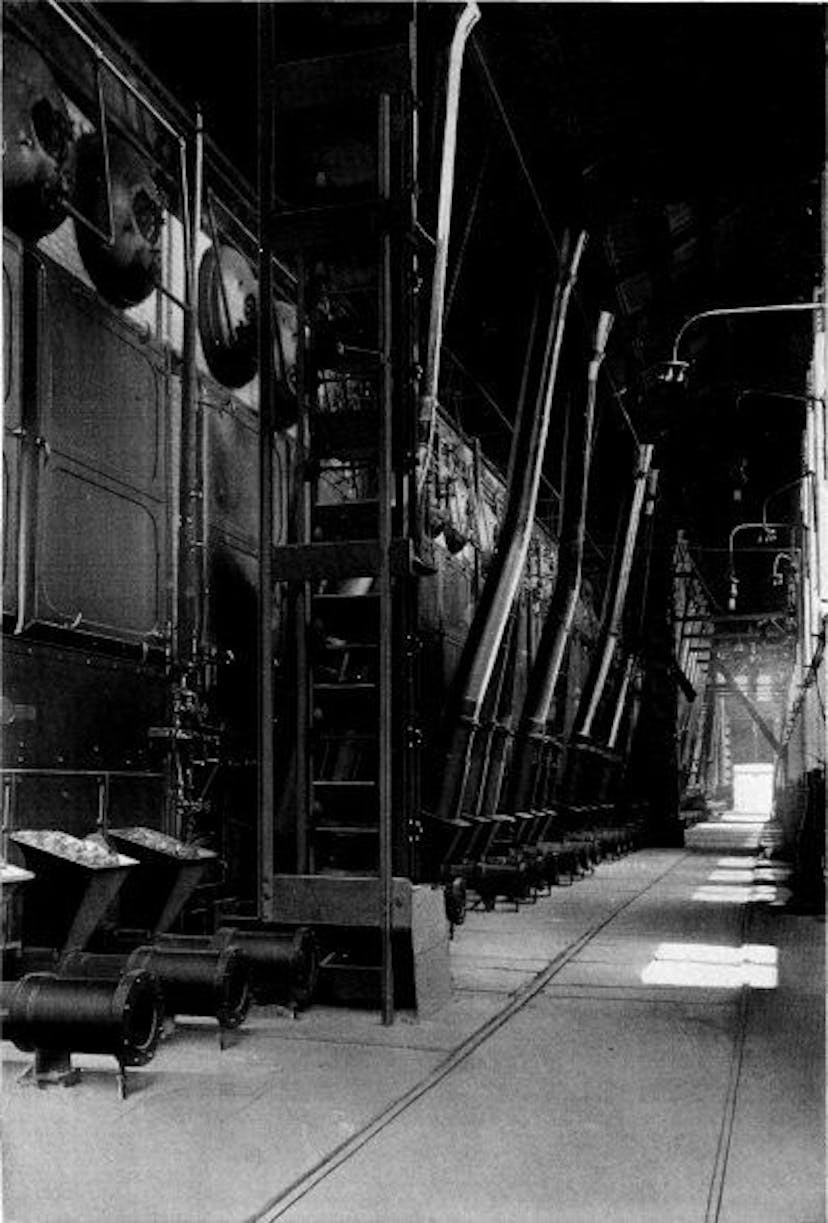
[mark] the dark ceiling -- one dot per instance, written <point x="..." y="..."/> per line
<point x="689" y="139"/>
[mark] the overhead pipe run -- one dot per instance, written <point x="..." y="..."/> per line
<point x="676" y="369"/>
<point x="560" y="617"/>
<point x="502" y="580"/>
<point x="768" y="530"/>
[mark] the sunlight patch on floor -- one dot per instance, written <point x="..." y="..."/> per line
<point x="711" y="966"/>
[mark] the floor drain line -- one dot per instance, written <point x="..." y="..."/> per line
<point x="303" y="1185"/>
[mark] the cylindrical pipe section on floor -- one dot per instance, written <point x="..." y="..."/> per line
<point x="283" y="961"/>
<point x="284" y="964"/>
<point x="194" y="981"/>
<point x="121" y="1017"/>
<point x="214" y="981"/>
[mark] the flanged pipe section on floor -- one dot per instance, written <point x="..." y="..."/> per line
<point x="193" y="981"/>
<point x="284" y="964"/>
<point x="54" y="1016"/>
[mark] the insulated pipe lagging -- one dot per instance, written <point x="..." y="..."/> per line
<point x="526" y="460"/>
<point x="558" y="625"/>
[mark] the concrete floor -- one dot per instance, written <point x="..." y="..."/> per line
<point x="644" y="1045"/>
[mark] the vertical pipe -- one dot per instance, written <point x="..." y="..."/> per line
<point x="478" y="514"/>
<point x="465" y="23"/>
<point x="188" y="563"/>
<point x="8" y="786"/>
<point x="385" y="477"/>
<point x="27" y="484"/>
<point x="265" y="754"/>
<point x="301" y="607"/>
<point x="431" y="376"/>
<point x="645" y="454"/>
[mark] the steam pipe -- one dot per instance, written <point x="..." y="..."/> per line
<point x="490" y="734"/>
<point x="503" y="578"/>
<point x="465" y="23"/>
<point x="676" y="368"/>
<point x="499" y="733"/>
<point x="768" y="528"/>
<point x="644" y="481"/>
<point x="29" y="458"/>
<point x="620" y="704"/>
<point x="558" y="625"/>
<point x="783" y="488"/>
<point x="188" y="567"/>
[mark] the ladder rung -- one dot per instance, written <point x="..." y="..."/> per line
<point x="333" y="225"/>
<point x="339" y="559"/>
<point x="345" y="736"/>
<point x="344" y="434"/>
<point x="332" y="597"/>
<point x="343" y="647"/>
<point x="334" y="783"/>
<point x="355" y="685"/>
<point x="346" y="830"/>
<point x="314" y="562"/>
<point x="350" y="519"/>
